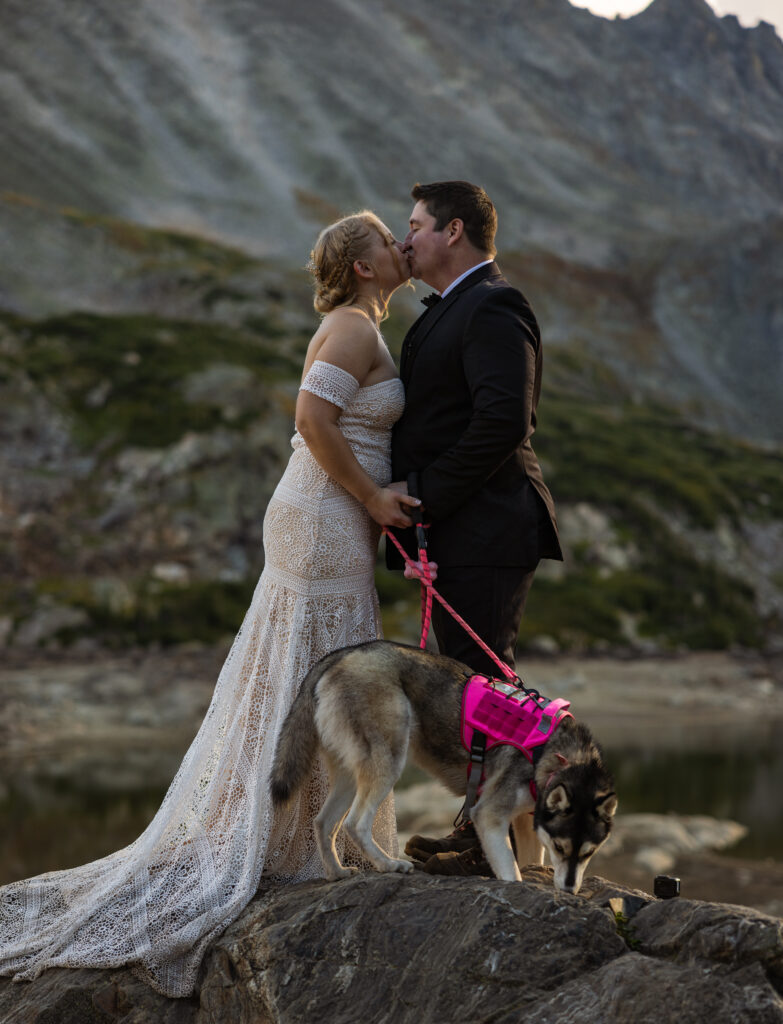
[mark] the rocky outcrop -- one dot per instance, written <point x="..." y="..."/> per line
<point x="417" y="948"/>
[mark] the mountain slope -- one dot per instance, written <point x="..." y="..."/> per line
<point x="166" y="166"/>
<point x="650" y="147"/>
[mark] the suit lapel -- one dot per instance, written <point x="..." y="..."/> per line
<point x="416" y="336"/>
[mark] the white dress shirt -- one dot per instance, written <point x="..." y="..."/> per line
<point x="462" y="277"/>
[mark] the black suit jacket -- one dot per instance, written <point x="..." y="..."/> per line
<point x="471" y="366"/>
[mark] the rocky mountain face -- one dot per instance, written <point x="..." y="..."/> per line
<point x="166" y="167"/>
<point x="647" y="152"/>
<point x="386" y="947"/>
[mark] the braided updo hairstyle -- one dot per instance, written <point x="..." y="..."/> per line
<point x="336" y="249"/>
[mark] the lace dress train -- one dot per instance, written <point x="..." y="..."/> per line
<point x="158" y="903"/>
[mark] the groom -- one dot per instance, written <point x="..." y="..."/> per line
<point x="471" y="366"/>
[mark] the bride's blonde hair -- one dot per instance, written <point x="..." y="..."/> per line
<point x="333" y="256"/>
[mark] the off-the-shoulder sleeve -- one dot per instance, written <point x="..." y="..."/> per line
<point x="330" y="382"/>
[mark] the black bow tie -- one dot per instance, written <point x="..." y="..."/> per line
<point x="431" y="300"/>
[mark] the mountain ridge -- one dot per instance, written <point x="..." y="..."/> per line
<point x="155" y="84"/>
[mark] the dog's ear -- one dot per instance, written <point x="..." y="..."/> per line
<point x="557" y="800"/>
<point x="606" y="806"/>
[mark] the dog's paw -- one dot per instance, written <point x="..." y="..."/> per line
<point x="402" y="866"/>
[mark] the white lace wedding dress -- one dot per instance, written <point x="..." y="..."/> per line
<point x="159" y="902"/>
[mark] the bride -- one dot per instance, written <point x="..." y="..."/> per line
<point x="158" y="903"/>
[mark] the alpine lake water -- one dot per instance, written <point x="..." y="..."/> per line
<point x="63" y="807"/>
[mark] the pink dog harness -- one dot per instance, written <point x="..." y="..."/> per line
<point x="509" y="714"/>
<point x="494" y="712"/>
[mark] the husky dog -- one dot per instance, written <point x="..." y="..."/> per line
<point x="363" y="707"/>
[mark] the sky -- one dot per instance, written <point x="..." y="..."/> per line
<point x="749" y="12"/>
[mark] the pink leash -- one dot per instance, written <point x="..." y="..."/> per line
<point x="428" y="592"/>
<point x="477" y="745"/>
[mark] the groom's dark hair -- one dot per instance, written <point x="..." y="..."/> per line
<point x="447" y="200"/>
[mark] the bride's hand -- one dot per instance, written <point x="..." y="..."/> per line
<point x="387" y="507"/>
<point x="409" y="574"/>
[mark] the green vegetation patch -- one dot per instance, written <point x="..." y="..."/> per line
<point x="626" y="454"/>
<point x="120" y="378"/>
<point x="693" y="606"/>
<point x="642" y="464"/>
<point x="156" y="612"/>
<point x="625" y="931"/>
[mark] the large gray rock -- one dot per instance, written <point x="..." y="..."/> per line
<point x="419" y="948"/>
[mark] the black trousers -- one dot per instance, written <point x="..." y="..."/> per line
<point x="491" y="599"/>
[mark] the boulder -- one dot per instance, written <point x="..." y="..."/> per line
<point x="49" y="620"/>
<point x="420" y="948"/>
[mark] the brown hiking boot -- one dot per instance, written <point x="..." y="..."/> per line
<point x="462" y="838"/>
<point x="469" y="862"/>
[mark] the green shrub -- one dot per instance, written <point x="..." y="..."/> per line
<point x="206" y="611"/>
<point x="140" y="362"/>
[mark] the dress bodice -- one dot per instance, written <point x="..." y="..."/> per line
<point x="369" y="412"/>
<point x="332" y="549"/>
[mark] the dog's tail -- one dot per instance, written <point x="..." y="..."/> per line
<point x="298" y="742"/>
